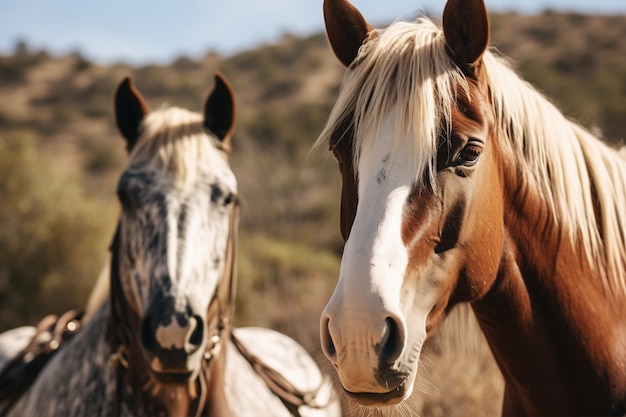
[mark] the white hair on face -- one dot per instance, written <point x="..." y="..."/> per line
<point x="406" y="66"/>
<point x="186" y="166"/>
<point x="175" y="140"/>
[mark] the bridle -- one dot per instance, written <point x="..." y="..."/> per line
<point x="123" y="341"/>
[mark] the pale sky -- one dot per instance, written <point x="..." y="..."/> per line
<point x="158" y="31"/>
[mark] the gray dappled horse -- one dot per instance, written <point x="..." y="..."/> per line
<point x="163" y="344"/>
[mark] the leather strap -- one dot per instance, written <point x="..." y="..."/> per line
<point x="20" y="372"/>
<point x="291" y="396"/>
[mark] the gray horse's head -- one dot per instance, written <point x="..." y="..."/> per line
<point x="177" y="195"/>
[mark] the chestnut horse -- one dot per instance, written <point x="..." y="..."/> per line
<point x="163" y="343"/>
<point x="461" y="183"/>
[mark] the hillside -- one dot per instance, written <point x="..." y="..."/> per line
<point x="60" y="155"/>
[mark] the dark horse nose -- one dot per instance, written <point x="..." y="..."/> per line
<point x="171" y="336"/>
<point x="187" y="333"/>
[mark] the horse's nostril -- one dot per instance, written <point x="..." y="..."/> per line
<point x="147" y="334"/>
<point x="196" y="335"/>
<point x="328" y="346"/>
<point x="392" y="343"/>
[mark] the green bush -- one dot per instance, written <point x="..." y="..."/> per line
<point x="53" y="239"/>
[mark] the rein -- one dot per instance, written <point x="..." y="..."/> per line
<point x="122" y="340"/>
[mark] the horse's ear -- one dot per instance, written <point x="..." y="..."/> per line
<point x="346" y="29"/>
<point x="130" y="109"/>
<point x="466" y="28"/>
<point x="220" y="111"/>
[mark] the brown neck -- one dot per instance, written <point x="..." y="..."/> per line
<point x="548" y="323"/>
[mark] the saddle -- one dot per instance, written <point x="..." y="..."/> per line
<point x="20" y="372"/>
<point x="53" y="331"/>
<point x="275" y="365"/>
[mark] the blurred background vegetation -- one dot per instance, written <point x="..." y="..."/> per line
<point x="60" y="156"/>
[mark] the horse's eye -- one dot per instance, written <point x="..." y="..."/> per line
<point x="222" y="196"/>
<point x="231" y="198"/>
<point x="128" y="199"/>
<point x="469" y="155"/>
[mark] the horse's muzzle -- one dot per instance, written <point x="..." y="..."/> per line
<point x="173" y="346"/>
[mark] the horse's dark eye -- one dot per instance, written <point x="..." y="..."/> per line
<point x="216" y="194"/>
<point x="128" y="199"/>
<point x="222" y="196"/>
<point x="230" y="199"/>
<point x="469" y="155"/>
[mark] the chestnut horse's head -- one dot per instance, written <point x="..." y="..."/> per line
<point x="422" y="201"/>
<point x="177" y="195"/>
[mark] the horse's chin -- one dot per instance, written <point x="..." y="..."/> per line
<point x="174" y="369"/>
<point x="377" y="399"/>
<point x="175" y="377"/>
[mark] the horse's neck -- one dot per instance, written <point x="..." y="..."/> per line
<point x="520" y="339"/>
<point x="204" y="396"/>
<point x="143" y="395"/>
<point x="551" y="328"/>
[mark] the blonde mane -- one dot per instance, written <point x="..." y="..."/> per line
<point x="571" y="167"/>
<point x="405" y="68"/>
<point x="405" y="65"/>
<point x="175" y="140"/>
